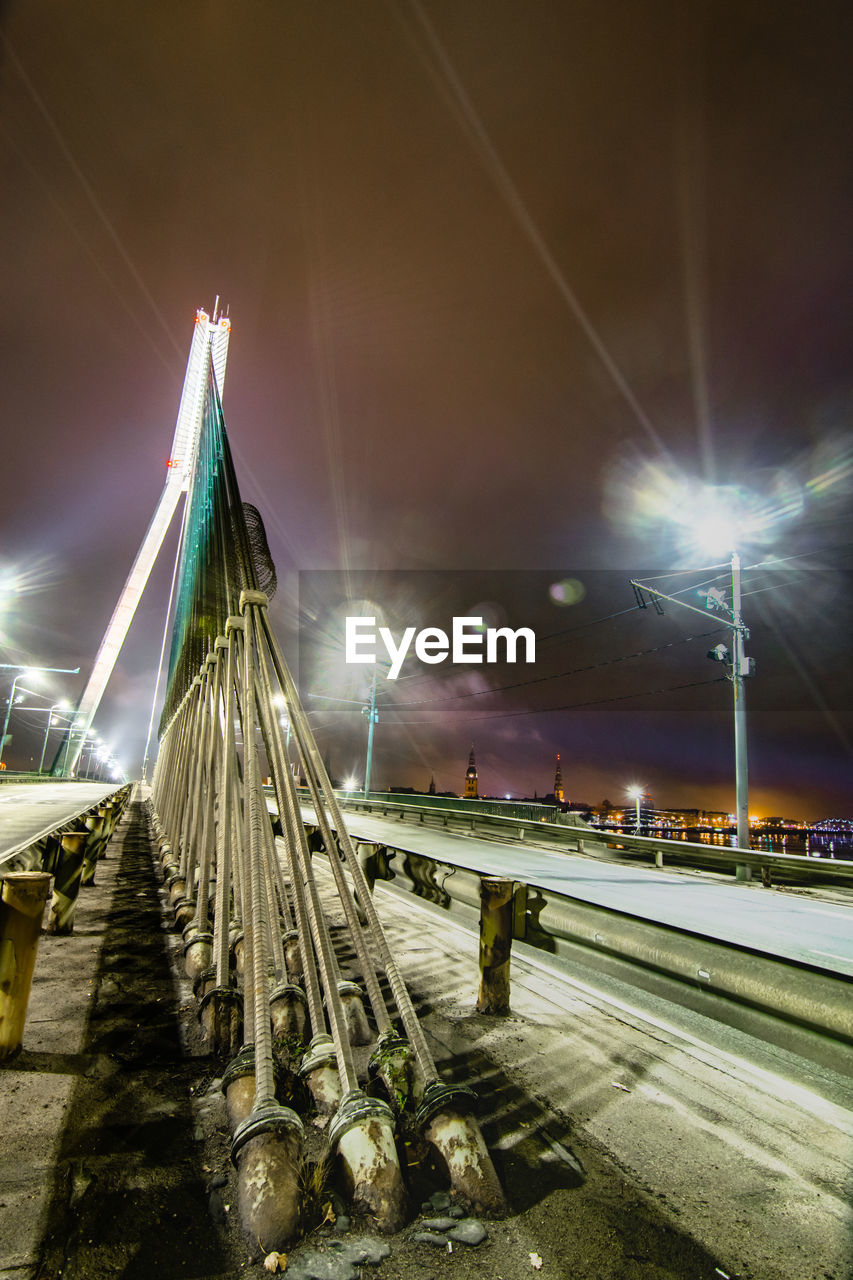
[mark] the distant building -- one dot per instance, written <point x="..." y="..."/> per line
<point x="471" y="790"/>
<point x="559" y="794"/>
<point x="431" y="791"/>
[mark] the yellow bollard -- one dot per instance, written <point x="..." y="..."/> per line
<point x="22" y="898"/>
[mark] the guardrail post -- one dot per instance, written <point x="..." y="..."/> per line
<point x="496" y="921"/>
<point x="743" y="871"/>
<point x="95" y="834"/>
<point x="22" y="898"/>
<point x="519" y="912"/>
<point x="366" y="854"/>
<point x="66" y="882"/>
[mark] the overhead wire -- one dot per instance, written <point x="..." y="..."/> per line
<point x="553" y="635"/>
<point x="558" y="675"/>
<point x="594" y="702"/>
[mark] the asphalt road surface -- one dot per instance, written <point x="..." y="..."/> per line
<point x="30" y="810"/>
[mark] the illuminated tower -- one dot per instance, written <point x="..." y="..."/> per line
<point x="471" y="777"/>
<point x="209" y="346"/>
<point x="559" y="794"/>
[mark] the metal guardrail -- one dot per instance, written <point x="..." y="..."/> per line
<point x="578" y="837"/>
<point x="816" y="1000"/>
<point x="26" y="854"/>
<point x="528" y="810"/>
<point x="15" y="776"/>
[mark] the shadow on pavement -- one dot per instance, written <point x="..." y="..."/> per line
<point x="129" y="1197"/>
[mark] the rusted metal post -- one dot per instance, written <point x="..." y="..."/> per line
<point x="496" y="913"/>
<point x="66" y="882"/>
<point x="22" y="898"/>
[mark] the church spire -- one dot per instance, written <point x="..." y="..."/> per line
<point x="471" y="777"/>
<point x="559" y="793"/>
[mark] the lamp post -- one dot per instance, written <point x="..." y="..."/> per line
<point x="20" y="676"/>
<point x="720" y="519"/>
<point x="741" y="666"/>
<point x="89" y="744"/>
<point x="57" y="706"/>
<point x="367" y="709"/>
<point x="372" y="717"/>
<point x="636" y="794"/>
<point x="23" y="672"/>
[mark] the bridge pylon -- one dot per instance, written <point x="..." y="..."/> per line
<point x="208" y="351"/>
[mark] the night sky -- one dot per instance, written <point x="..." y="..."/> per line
<point x="493" y="268"/>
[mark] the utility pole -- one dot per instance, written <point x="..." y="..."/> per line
<point x="372" y="717"/>
<point x="740" y="667"/>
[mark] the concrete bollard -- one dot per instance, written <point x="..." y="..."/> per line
<point x="352" y="1001"/>
<point x="221" y="1016"/>
<point x="445" y="1119"/>
<point x="22" y="898"/>
<point x="267" y="1153"/>
<point x="66" y="882"/>
<point x="319" y="1069"/>
<point x="362" y="1135"/>
<point x="393" y="1064"/>
<point x="496" y="914"/>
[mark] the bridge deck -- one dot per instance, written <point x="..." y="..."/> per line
<point x="792" y="927"/>
<point x="115" y="1155"/>
<point x="30" y="810"/>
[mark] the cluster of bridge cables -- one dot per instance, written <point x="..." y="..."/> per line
<point x="251" y="905"/>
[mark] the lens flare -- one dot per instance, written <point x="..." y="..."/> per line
<point x="709" y="519"/>
<point x="567" y="592"/>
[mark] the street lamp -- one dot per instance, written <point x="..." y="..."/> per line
<point x="636" y="794"/>
<point x="372" y="718"/>
<point x="367" y="709"/>
<point x="714" y="521"/>
<point x="89" y="744"/>
<point x="57" y="706"/>
<point x="23" y="673"/>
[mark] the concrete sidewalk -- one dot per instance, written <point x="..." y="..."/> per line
<point x="98" y="1169"/>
